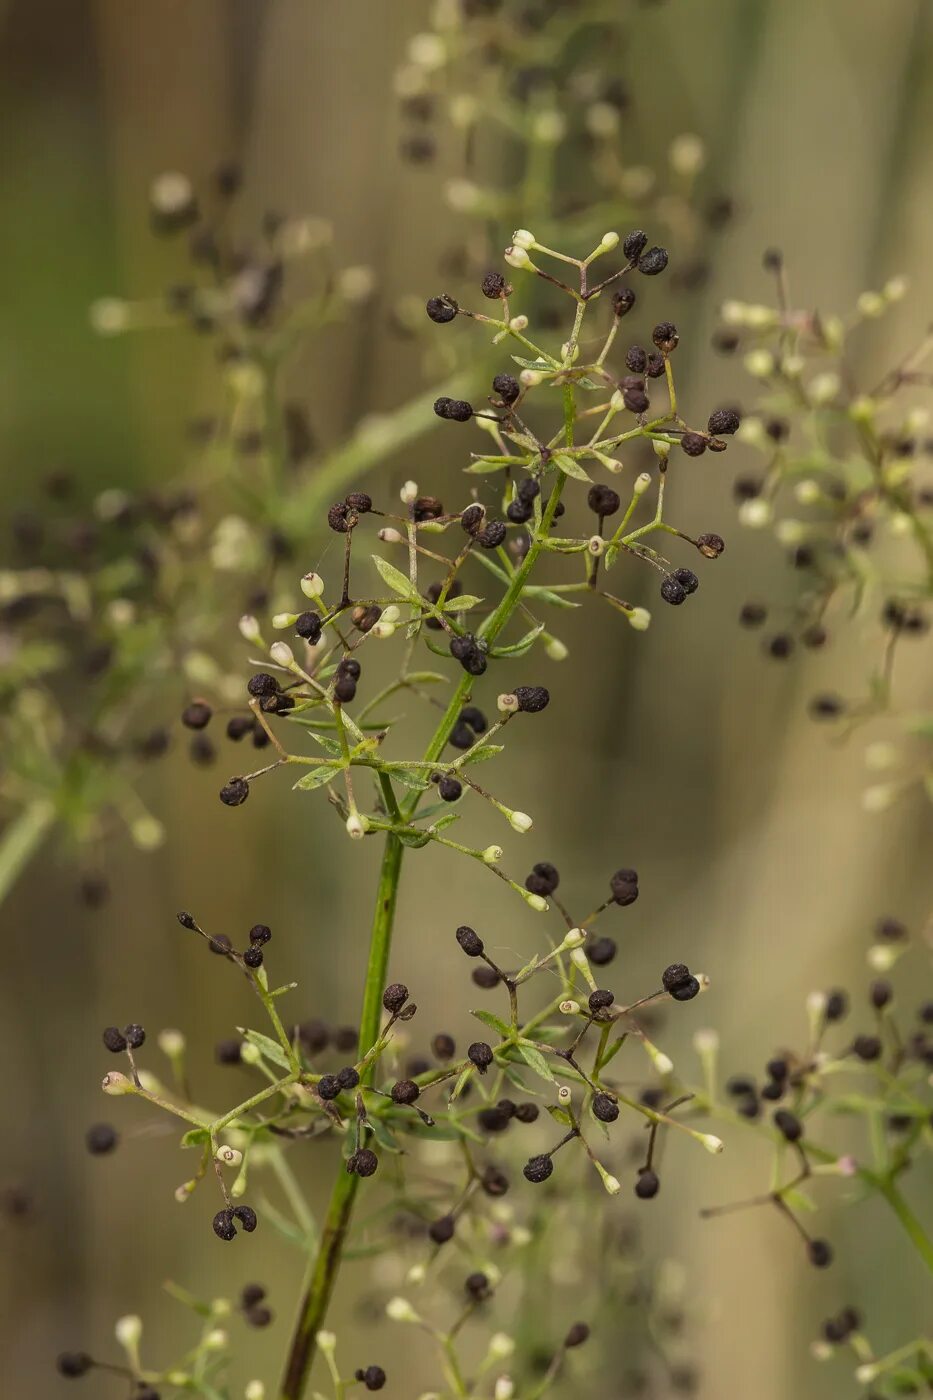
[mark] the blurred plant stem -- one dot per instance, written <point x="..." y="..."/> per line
<point x="21" y="840"/>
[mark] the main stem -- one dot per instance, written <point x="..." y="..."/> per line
<point x="325" y="1264"/>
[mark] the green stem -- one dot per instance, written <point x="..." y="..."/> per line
<point x="919" y="1238"/>
<point x="20" y="841"/>
<point x="325" y="1263"/>
<point x="324" y="1266"/>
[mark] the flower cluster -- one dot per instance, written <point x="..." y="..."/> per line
<point x="847" y="488"/>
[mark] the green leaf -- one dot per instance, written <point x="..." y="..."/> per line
<point x="409" y="777"/>
<point x="481" y="467"/>
<point x="523" y="645"/>
<point x="535" y="1060"/>
<point x="444" y="821"/>
<point x="560" y="1115"/>
<point x="384" y="1136"/>
<point x="321" y="773"/>
<point x="196" y="1137"/>
<point x="415" y="839"/>
<point x="285" y="1227"/>
<point x="799" y="1200"/>
<point x="495" y="1023"/>
<point x="557" y="600"/>
<point x="427" y="678"/>
<point x="399" y="583"/>
<point x="570" y="467"/>
<point x="270" y="1049"/>
<point x="539" y="363"/>
<point x="481" y="752"/>
<point x="462" y="1078"/>
<point x="463" y="603"/>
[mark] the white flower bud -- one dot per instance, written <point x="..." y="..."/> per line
<point x="790" y="532"/>
<point x="389" y="535"/>
<point x="862" y="409"/>
<point x="356" y="284"/>
<point x="282" y="620"/>
<point x="492" y="855"/>
<point x="400" y="1310"/>
<point x="879" y="797"/>
<point x="282" y="654"/>
<point x="807" y="492"/>
<point x="504" y="1388"/>
<point x="882" y="957"/>
<point x="109" y="316"/>
<point x="463" y="110"/>
<point x="641" y="484"/>
<point x="706" y="1042"/>
<point x="522" y="238"/>
<point x="760" y="318"/>
<point x="382" y="630"/>
<point x="249" y="630"/>
<point x="462" y="195"/>
<point x="895" y="289"/>
<point x="255" y="1390"/>
<point x="501" y="1345"/>
<point x="416" y="1274"/>
<point x="171" y="193"/>
<point x="520" y="821"/>
<point x="171" y="1043"/>
<point x="870" y="305"/>
<point x="733" y="313"/>
<point x="612" y="1183"/>
<point x="596" y="545"/>
<point x="548" y="128"/>
<point x="535" y="901"/>
<point x="507" y="704"/>
<point x="759" y="363"/>
<point x="687" y="154"/>
<point x="569" y="1008"/>
<point x="556" y="650"/>
<point x="640" y="619"/>
<point x="409" y="493"/>
<point x="128" y="1331"/>
<point x="880" y="755"/>
<point x="563" y="1094"/>
<point x="116" y="1083"/>
<point x="428" y="51"/>
<point x="228" y="1156"/>
<point x="602" y="119"/>
<point x="712" y="1143"/>
<point x="356" y="826"/>
<point x="216" y="1340"/>
<point x="823" y="388"/>
<point x="574" y="938"/>
<point x="530" y="378"/>
<point x="391" y="614"/>
<point x="312" y="585"/>
<point x="326" y="1341"/>
<point x="755" y="514"/>
<point x="519" y="323"/>
<point x="250" y="1054"/>
<point x="147" y="833"/>
<point x="608" y="242"/>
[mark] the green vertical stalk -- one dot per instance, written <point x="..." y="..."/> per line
<point x="324" y="1265"/>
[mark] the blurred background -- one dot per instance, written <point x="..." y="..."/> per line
<point x="686" y="753"/>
